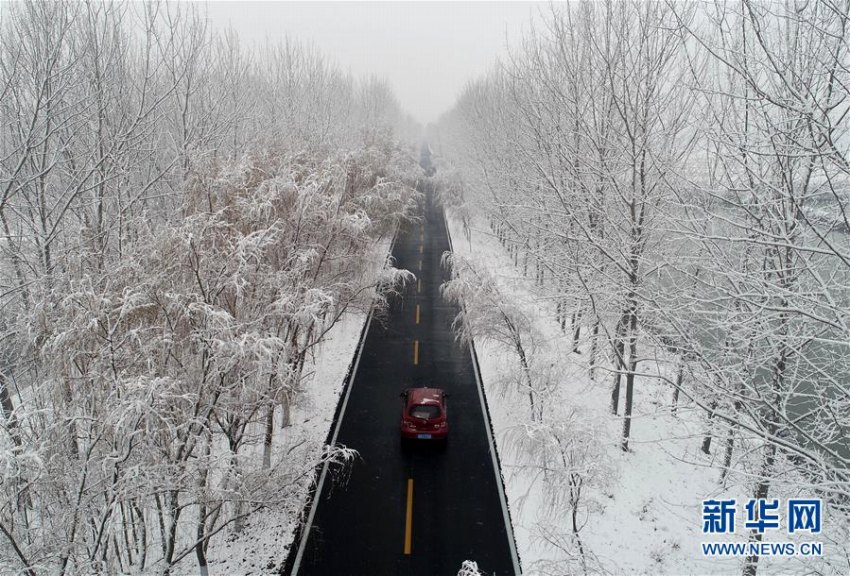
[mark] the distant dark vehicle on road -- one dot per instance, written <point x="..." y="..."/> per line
<point x="424" y="415"/>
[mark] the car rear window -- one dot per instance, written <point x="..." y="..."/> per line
<point x="426" y="412"/>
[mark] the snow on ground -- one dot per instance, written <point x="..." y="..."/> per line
<point x="643" y="513"/>
<point x="314" y="417"/>
<point x="263" y="544"/>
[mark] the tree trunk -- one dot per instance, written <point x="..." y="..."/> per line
<point x="161" y="517"/>
<point x="267" y="438"/>
<point x="174" y="518"/>
<point x="630" y="331"/>
<point x="200" y="549"/>
<point x="200" y="532"/>
<point x="125" y="533"/>
<point x="526" y="372"/>
<point x="594" y="347"/>
<point x="619" y="352"/>
<point x="576" y="326"/>
<point x="615" y="390"/>
<point x="575" y="497"/>
<point x="762" y="489"/>
<point x="706" y="441"/>
<point x="235" y="476"/>
<point x="630" y="386"/>
<point x="727" y="455"/>
<point x="680" y="376"/>
<point x="286" y="411"/>
<point x="525" y="260"/>
<point x="143" y="533"/>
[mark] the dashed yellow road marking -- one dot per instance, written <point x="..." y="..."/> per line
<point x="420" y="265"/>
<point x="416" y="352"/>
<point x="417" y="313"/>
<point x="421" y="248"/>
<point x="408" y="519"/>
<point x="419" y="285"/>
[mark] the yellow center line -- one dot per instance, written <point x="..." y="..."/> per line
<point x="419" y="285"/>
<point x="421" y="248"/>
<point x="420" y="265"/>
<point x="417" y="313"/>
<point x="408" y="519"/>
<point x="416" y="352"/>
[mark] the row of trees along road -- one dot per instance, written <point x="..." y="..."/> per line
<point x="676" y="177"/>
<point x="183" y="220"/>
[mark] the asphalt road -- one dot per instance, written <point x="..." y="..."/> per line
<point x="368" y="525"/>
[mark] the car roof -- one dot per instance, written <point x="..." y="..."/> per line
<point x="424" y="395"/>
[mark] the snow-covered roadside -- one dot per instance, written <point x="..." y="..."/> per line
<point x="641" y="513"/>
<point x="266" y="539"/>
<point x="263" y="544"/>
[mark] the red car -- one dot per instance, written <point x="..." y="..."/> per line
<point x="424" y="415"/>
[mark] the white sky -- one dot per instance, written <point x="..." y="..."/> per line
<point x="427" y="50"/>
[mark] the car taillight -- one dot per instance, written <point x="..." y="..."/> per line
<point x="442" y="424"/>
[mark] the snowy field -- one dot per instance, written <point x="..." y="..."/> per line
<point x="640" y="512"/>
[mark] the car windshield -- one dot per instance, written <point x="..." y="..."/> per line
<point x="426" y="412"/>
